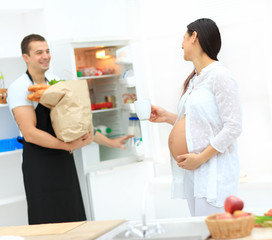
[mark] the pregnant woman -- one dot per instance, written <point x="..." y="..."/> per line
<point x="202" y="143"/>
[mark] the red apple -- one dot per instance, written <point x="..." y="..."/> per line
<point x="240" y="213"/>
<point x="233" y="203"/>
<point x="224" y="215"/>
<point x="268" y="213"/>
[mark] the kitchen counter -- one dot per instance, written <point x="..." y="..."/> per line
<point x="257" y="233"/>
<point x="102" y="230"/>
<point x="86" y="231"/>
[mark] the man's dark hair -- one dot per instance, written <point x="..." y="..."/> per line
<point x="28" y="39"/>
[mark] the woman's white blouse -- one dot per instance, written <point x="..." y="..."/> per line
<point x="213" y="117"/>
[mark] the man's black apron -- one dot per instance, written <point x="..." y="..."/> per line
<point x="50" y="178"/>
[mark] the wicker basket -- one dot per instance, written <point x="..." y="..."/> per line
<point x="230" y="228"/>
<point x="3" y="95"/>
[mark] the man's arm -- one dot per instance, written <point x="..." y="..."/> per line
<point x="99" y="138"/>
<point x="25" y="117"/>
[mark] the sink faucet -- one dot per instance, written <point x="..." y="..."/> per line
<point x="144" y="200"/>
<point x="156" y="229"/>
<point x="144" y="231"/>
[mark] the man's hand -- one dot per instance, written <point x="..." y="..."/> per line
<point x="81" y="142"/>
<point x="120" y="142"/>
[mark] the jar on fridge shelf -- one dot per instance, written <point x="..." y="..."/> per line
<point x="135" y="144"/>
<point x="103" y="129"/>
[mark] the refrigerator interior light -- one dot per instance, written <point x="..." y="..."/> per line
<point x="102" y="54"/>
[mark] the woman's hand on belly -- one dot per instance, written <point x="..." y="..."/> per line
<point x="189" y="161"/>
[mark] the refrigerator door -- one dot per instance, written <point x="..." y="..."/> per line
<point x="117" y="193"/>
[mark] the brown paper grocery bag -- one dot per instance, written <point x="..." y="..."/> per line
<point x="70" y="105"/>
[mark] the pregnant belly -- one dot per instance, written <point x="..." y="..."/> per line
<point x="177" y="139"/>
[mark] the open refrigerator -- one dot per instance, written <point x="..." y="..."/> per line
<point x="112" y="180"/>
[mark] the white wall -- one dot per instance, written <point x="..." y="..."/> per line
<point x="246" y="49"/>
<point x="88" y="19"/>
<point x="14" y="25"/>
<point x="158" y="28"/>
<point x="73" y="19"/>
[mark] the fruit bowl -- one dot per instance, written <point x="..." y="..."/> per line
<point x="230" y="228"/>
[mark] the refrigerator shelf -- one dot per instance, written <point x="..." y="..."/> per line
<point x="98" y="77"/>
<point x="17" y="151"/>
<point x="127" y="85"/>
<point x="105" y="110"/>
<point x="123" y="62"/>
<point x="3" y="105"/>
<point x="129" y="107"/>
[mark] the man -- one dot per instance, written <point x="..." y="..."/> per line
<point x="50" y="178"/>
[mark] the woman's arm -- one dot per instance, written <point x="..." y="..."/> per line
<point x="25" y="117"/>
<point x="159" y="114"/>
<point x="227" y="98"/>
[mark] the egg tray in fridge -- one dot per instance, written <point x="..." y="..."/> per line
<point x="230" y="228"/>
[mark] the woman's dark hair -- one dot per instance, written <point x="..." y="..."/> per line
<point x="28" y="39"/>
<point x="209" y="39"/>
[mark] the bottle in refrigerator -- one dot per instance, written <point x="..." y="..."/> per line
<point x="2" y="81"/>
<point x="135" y="144"/>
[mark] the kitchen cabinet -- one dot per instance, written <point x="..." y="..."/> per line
<point x="13" y="207"/>
<point x="12" y="196"/>
<point x="21" y="22"/>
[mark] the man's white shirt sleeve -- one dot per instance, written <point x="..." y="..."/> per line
<point x="18" y="91"/>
